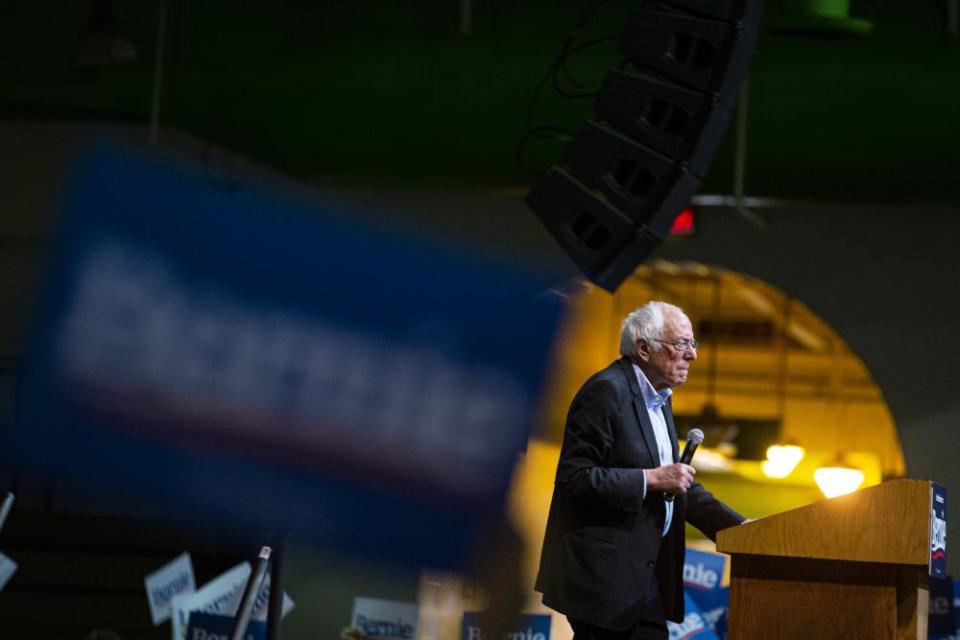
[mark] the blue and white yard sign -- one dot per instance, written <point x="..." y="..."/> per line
<point x="376" y="619"/>
<point x="170" y="580"/>
<point x="527" y="626"/>
<point x="256" y="359"/>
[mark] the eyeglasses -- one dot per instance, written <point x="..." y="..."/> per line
<point x="682" y="345"/>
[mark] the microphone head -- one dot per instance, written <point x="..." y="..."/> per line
<point x="695" y="436"/>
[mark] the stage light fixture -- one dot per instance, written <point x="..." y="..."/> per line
<point x="781" y="460"/>
<point x="838" y="479"/>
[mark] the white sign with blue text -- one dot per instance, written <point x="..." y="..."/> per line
<point x="222" y="596"/>
<point x="162" y="585"/>
<point x="527" y="626"/>
<point x="379" y="619"/>
<point x="214" y="597"/>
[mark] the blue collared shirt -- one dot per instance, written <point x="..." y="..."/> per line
<point x="654" y="401"/>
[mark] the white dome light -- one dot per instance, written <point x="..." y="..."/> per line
<point x="838" y="480"/>
<point x="782" y="460"/>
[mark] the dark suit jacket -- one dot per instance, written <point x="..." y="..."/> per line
<point x="603" y="540"/>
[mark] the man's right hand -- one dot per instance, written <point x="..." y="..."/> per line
<point x="672" y="478"/>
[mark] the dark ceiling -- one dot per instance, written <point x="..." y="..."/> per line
<point x="390" y="92"/>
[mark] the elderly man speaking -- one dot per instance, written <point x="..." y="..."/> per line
<point x="612" y="557"/>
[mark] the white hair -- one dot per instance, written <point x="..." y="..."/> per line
<point x="645" y="323"/>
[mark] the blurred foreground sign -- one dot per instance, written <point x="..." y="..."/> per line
<point x="252" y="357"/>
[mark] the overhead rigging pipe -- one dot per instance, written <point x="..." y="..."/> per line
<point x="158" y="70"/>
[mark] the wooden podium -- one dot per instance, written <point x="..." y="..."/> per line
<point x="850" y="567"/>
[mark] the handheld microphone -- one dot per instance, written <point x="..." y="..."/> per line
<point x="694" y="439"/>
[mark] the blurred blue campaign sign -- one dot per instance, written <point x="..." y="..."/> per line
<point x="702" y="577"/>
<point x="526" y="626"/>
<point x="720" y="625"/>
<point x="942" y="620"/>
<point x="956" y="607"/>
<point x="694" y="625"/>
<point x="713" y="605"/>
<point x="253" y="357"/>
<point x="211" y="626"/>
<point x="938" y="531"/>
<point x="702" y="570"/>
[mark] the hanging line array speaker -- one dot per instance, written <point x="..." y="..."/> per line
<point x="658" y="120"/>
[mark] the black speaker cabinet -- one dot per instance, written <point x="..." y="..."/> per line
<point x="659" y="118"/>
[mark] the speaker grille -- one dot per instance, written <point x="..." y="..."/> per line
<point x="591" y="232"/>
<point x="667" y="118"/>
<point x="631" y="177"/>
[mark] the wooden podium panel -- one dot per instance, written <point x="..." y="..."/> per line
<point x="803" y="599"/>
<point x="886" y="523"/>
<point x="849" y="568"/>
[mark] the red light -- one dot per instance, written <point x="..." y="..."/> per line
<point x="685" y="223"/>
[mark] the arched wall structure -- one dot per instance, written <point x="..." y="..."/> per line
<point x="886" y="279"/>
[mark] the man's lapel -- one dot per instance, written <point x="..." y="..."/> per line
<point x="640" y="409"/>
<point x="671" y="429"/>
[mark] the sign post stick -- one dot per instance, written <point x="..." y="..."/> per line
<point x="275" y="607"/>
<point x="242" y="619"/>
<point x="5" y="508"/>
